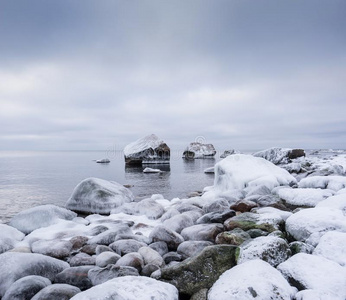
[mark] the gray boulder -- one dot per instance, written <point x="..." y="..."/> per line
<point x="160" y="247"/>
<point x="151" y="257"/>
<point x="134" y="260"/>
<point x="192" y="248"/>
<point x="76" y="276"/>
<point x="9" y="236"/>
<point x="107" y="258"/>
<point x="178" y="222"/>
<point x="234" y="237"/>
<point x="57" y="291"/>
<point x="150" y="208"/>
<point x="53" y="248"/>
<point x="99" y="275"/>
<point x="82" y="259"/>
<point x="164" y="234"/>
<point x="202" y="232"/>
<point x="123" y="247"/>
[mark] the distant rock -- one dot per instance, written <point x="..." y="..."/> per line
<point x="94" y="195"/>
<point x="147" y="150"/>
<point x="280" y="155"/>
<point x="199" y="150"/>
<point x="103" y="161"/>
<point x="228" y="153"/>
<point x="150" y="170"/>
<point x="210" y="170"/>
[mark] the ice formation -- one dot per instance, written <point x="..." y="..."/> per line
<point x="199" y="150"/>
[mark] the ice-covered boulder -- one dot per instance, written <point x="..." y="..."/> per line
<point x="199" y="150"/>
<point x="151" y="170"/>
<point x="306" y="271"/>
<point x="307" y="197"/>
<point x="9" y="236"/>
<point x="107" y="258"/>
<point x="337" y="201"/>
<point x="14" y="266"/>
<point x="103" y="161"/>
<point x="332" y="246"/>
<point x="241" y="171"/>
<point x="228" y="153"/>
<point x="280" y="155"/>
<point x="94" y="195"/>
<point x="150" y="208"/>
<point x="254" y="279"/>
<point x="334" y="183"/>
<point x="40" y="216"/>
<point x="315" y="221"/>
<point x="147" y="150"/>
<point x="130" y="288"/>
<point x="53" y="248"/>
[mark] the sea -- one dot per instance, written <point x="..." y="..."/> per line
<point x="31" y="178"/>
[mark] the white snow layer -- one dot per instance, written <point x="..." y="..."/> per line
<point x="239" y="171"/>
<point x="332" y="246"/>
<point x="334" y="183"/>
<point x="337" y="201"/>
<point x="318" y="220"/>
<point x="316" y="273"/>
<point x="130" y="288"/>
<point x="254" y="279"/>
<point x="147" y="142"/>
<point x="201" y="150"/>
<point x="274" y="155"/>
<point x="9" y="236"/>
<point x="304" y="197"/>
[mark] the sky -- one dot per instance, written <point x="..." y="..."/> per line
<point x="240" y="74"/>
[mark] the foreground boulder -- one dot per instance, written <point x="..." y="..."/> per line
<point x="94" y="195"/>
<point x="254" y="279"/>
<point x="14" y="266"/>
<point x="130" y="288"/>
<point x="40" y="216"/>
<point x="280" y="155"/>
<point x="200" y="271"/>
<point x="76" y="276"/>
<point x="199" y="150"/>
<point x="149" y="149"/>
<point x="9" y="236"/>
<point x="57" y="291"/>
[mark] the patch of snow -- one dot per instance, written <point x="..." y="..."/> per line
<point x="278" y="155"/>
<point x="334" y="183"/>
<point x="337" y="201"/>
<point x="9" y="237"/>
<point x="304" y="197"/>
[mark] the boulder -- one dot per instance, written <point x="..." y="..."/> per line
<point x="234" y="237"/>
<point x="200" y="271"/>
<point x="40" y="216"/>
<point x="9" y="236"/>
<point x="82" y="259"/>
<point x="164" y="234"/>
<point x="14" y="266"/>
<point x="300" y="247"/>
<point x="273" y="250"/>
<point x="219" y="206"/>
<point x="123" y="247"/>
<point x="228" y="153"/>
<point x="243" y="205"/>
<point x="280" y="155"/>
<point x="199" y="150"/>
<point x="99" y="275"/>
<point x="334" y="183"/>
<point x="216" y="217"/>
<point x="150" y="208"/>
<point x="192" y="248"/>
<point x="160" y="247"/>
<point x="57" y="291"/>
<point x="94" y="195"/>
<point x="178" y="222"/>
<point x="109" y="236"/>
<point x="171" y="256"/>
<point x="149" y="149"/>
<point x="107" y="258"/>
<point x="151" y="257"/>
<point x="254" y="279"/>
<point x="202" y="232"/>
<point x="76" y="276"/>
<point x="78" y="242"/>
<point x="130" y="288"/>
<point x="54" y="248"/>
<point x="26" y="287"/>
<point x="133" y="259"/>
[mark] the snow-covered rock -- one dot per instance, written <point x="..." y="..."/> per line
<point x="103" y="161"/>
<point x="58" y="291"/>
<point x="151" y="170"/>
<point x="317" y="221"/>
<point x="202" y="232"/>
<point x="130" y="288"/>
<point x="14" y="266"/>
<point x="40" y="216"/>
<point x="337" y="201"/>
<point x="334" y="183"/>
<point x="199" y="150"/>
<point x="150" y="208"/>
<point x="306" y="271"/>
<point x="9" y="236"/>
<point x="332" y="246"/>
<point x="300" y="197"/>
<point x="280" y="155"/>
<point x="240" y="171"/>
<point x="149" y="149"/>
<point x="272" y="249"/>
<point x="254" y="279"/>
<point x="317" y="295"/>
<point x="94" y="195"/>
<point x="54" y="248"/>
<point x="228" y="153"/>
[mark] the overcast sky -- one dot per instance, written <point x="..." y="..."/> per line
<point x="84" y="75"/>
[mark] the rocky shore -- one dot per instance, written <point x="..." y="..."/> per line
<point x="273" y="226"/>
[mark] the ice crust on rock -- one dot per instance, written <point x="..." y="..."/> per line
<point x="280" y="155"/>
<point x="318" y="221"/>
<point x="307" y="197"/>
<point x="130" y="288"/>
<point x="14" y="266"/>
<point x="254" y="279"/>
<point x="94" y="195"/>
<point x="40" y="216"/>
<point x="199" y="150"/>
<point x="337" y="202"/>
<point x="308" y="271"/>
<point x="334" y="183"/>
<point x="240" y="171"/>
<point x="9" y="237"/>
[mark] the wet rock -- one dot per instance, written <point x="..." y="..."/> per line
<point x="123" y="247"/>
<point x="201" y="271"/>
<point x="107" y="258"/>
<point x="164" y="234"/>
<point x="192" y="248"/>
<point x="202" y="232"/>
<point x="243" y="205"/>
<point x="57" y="291"/>
<point x="99" y="275"/>
<point x="76" y="276"/>
<point x="216" y="217"/>
<point x="234" y="237"/>
<point x="53" y="248"/>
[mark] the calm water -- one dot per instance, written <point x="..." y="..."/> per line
<point x="28" y="179"/>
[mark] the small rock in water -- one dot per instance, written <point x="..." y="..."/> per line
<point x="150" y="170"/>
<point x="103" y="161"/>
<point x="199" y="150"/>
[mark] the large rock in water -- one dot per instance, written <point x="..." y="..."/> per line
<point x="14" y="266"/>
<point x="201" y="271"/>
<point x="199" y="150"/>
<point x="280" y="155"/>
<point x="148" y="150"/>
<point x="94" y="195"/>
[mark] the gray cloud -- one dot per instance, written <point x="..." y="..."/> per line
<point x="243" y="74"/>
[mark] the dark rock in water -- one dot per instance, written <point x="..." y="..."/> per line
<point x="14" y="266"/>
<point x="76" y="276"/>
<point x="234" y="237"/>
<point x="199" y="150"/>
<point x="192" y="248"/>
<point x="26" y="287"/>
<point x="160" y="247"/>
<point x="171" y="256"/>
<point x="202" y="232"/>
<point x="99" y="275"/>
<point x="94" y="195"/>
<point x="149" y="269"/>
<point x="164" y="234"/>
<point x="147" y="150"/>
<point x="216" y="217"/>
<point x="103" y="161"/>
<point x="201" y="271"/>
<point x="243" y="205"/>
<point x="57" y="291"/>
<point x="82" y="259"/>
<point x="123" y="247"/>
